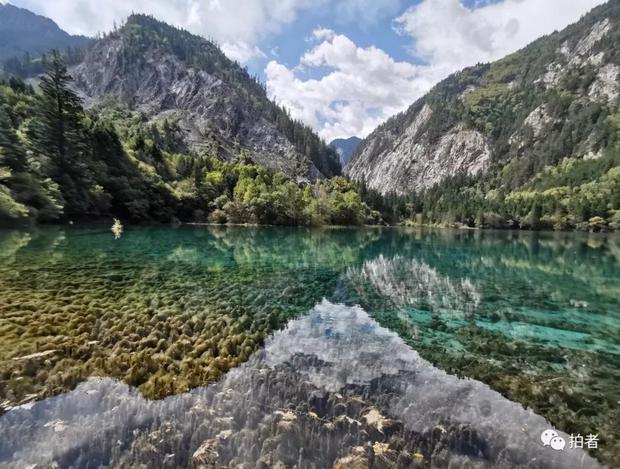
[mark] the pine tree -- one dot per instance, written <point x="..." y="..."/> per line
<point x="12" y="155"/>
<point x="57" y="128"/>
<point x="60" y="140"/>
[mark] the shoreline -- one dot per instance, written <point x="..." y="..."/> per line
<point x="402" y="225"/>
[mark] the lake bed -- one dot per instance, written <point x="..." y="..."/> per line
<point x="306" y="347"/>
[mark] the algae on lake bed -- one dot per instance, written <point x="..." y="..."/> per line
<point x="535" y="316"/>
<point x="162" y="310"/>
<point x="309" y="398"/>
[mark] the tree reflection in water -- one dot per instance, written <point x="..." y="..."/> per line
<point x="534" y="316"/>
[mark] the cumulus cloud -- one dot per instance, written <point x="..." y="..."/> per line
<point x="364" y="86"/>
<point x="450" y="36"/>
<point x="239" y="25"/>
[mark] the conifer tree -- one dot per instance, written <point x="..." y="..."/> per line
<point x="11" y="152"/>
<point x="57" y="129"/>
<point x="60" y="140"/>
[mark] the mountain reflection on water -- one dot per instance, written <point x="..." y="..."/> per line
<point x="333" y="387"/>
<point x="535" y="316"/>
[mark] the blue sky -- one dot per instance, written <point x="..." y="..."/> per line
<point x="377" y="30"/>
<point x="292" y="42"/>
<point x="341" y="66"/>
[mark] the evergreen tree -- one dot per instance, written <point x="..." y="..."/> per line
<point x="57" y="131"/>
<point x="58" y="136"/>
<point x="22" y="191"/>
<point x="11" y="152"/>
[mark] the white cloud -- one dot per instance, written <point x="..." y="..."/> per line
<point x="450" y="36"/>
<point x="239" y="25"/>
<point x="364" y="86"/>
<point x="242" y="52"/>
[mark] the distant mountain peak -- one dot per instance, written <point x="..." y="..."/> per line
<point x="22" y="31"/>
<point x="345" y="147"/>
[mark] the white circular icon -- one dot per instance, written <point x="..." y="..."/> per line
<point x="547" y="436"/>
<point x="557" y="443"/>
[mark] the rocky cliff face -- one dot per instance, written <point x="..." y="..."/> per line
<point x="533" y="108"/>
<point x="412" y="161"/>
<point x="163" y="72"/>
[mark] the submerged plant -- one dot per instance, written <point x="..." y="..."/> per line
<point x="117" y="228"/>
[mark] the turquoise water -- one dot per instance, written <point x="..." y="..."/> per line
<point x="513" y="321"/>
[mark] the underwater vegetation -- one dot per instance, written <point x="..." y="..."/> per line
<point x="535" y="316"/>
<point x="164" y="317"/>
<point x="548" y="338"/>
<point x="332" y="389"/>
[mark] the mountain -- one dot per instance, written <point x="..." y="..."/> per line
<point x="345" y="147"/>
<point x="22" y="31"/>
<point x="162" y="73"/>
<point x="174" y="131"/>
<point x="504" y="126"/>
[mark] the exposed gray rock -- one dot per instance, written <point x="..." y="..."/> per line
<point x="511" y="115"/>
<point x="413" y="161"/>
<point x="552" y="76"/>
<point x="582" y="52"/>
<point x="210" y="111"/>
<point x="606" y="86"/>
<point x="538" y="119"/>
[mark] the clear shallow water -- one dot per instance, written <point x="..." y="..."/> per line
<point x="333" y="384"/>
<point x="536" y="317"/>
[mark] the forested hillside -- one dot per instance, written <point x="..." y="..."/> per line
<point x="164" y="73"/>
<point x="531" y="141"/>
<point x="59" y="161"/>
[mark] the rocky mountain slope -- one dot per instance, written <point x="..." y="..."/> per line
<point x="345" y="147"/>
<point x="166" y="73"/>
<point x="505" y="121"/>
<point x="22" y="31"/>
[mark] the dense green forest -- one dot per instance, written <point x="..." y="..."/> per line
<point x="59" y="162"/>
<point x="26" y="65"/>
<point x="575" y="194"/>
<point x="538" y="184"/>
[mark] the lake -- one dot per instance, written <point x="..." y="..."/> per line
<point x="307" y="348"/>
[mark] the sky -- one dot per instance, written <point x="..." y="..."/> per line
<point x="341" y="66"/>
